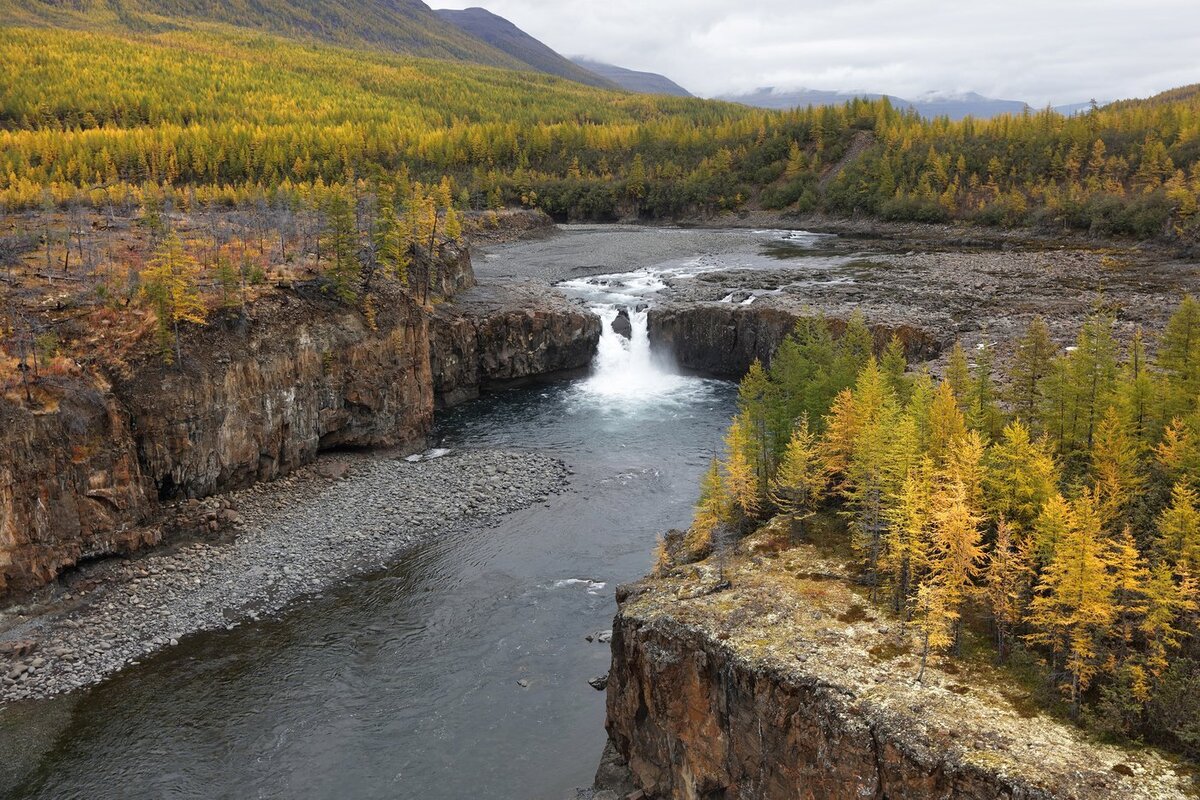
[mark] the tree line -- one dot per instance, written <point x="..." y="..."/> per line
<point x="1053" y="504"/>
<point x="235" y="117"/>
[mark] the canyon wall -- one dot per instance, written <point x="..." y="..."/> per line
<point x="88" y="472"/>
<point x="724" y="339"/>
<point x="500" y="334"/>
<point x="253" y="398"/>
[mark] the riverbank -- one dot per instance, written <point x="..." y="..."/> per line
<point x="297" y="536"/>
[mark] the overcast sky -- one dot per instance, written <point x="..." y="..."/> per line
<point x="1038" y="51"/>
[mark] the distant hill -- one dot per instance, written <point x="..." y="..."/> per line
<point x="1181" y="94"/>
<point x="632" y="80"/>
<point x="929" y="105"/>
<point x="506" y="37"/>
<point x="401" y="26"/>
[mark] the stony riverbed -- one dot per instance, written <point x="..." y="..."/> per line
<point x="291" y="538"/>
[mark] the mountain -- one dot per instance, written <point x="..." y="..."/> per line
<point x="632" y="80"/>
<point x="401" y="26"/>
<point x="771" y="97"/>
<point x="506" y="37"/>
<point x="928" y="105"/>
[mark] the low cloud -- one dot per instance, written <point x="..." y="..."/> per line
<point x="1049" y="51"/>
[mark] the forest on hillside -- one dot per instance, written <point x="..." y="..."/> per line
<point x="221" y="116"/>
<point x="1051" y="507"/>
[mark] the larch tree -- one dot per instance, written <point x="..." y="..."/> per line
<point x="741" y="477"/>
<point x="1179" y="355"/>
<point x="713" y="511"/>
<point x="801" y="481"/>
<point x="340" y="244"/>
<point x="171" y="285"/>
<point x="1116" y="467"/>
<point x="1179" y="529"/>
<point x="1029" y="367"/>
<point x="1073" y="608"/>
<point x="1022" y="475"/>
<point x="905" y="556"/>
<point x="958" y="373"/>
<point x="956" y="550"/>
<point x="935" y="620"/>
<point x="1006" y="579"/>
<point x="946" y="422"/>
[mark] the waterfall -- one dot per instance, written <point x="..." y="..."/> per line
<point x="626" y="368"/>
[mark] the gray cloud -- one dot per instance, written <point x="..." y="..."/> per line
<point x="1049" y="51"/>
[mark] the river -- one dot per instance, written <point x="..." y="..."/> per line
<point x="460" y="672"/>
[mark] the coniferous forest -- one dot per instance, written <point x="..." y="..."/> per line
<point x="214" y="115"/>
<point x="269" y="210"/>
<point x="1050" y="507"/>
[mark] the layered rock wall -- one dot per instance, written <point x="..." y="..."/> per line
<point x="252" y="399"/>
<point x="87" y="473"/>
<point x="496" y="335"/>
<point x="764" y="675"/>
<point x="723" y="339"/>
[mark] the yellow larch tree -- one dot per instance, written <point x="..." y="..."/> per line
<point x="1116" y="467"/>
<point x="801" y="481"/>
<point x="171" y="285"/>
<point x="1074" y="608"/>
<point x="1007" y="575"/>
<point x="1179" y="529"/>
<point x="956" y="550"/>
<point x="741" y="477"/>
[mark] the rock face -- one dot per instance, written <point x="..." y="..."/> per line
<point x="503" y="333"/>
<point x="724" y="339"/>
<point x="302" y="374"/>
<point x="785" y="686"/>
<point x="71" y="487"/>
<point x="253" y="399"/>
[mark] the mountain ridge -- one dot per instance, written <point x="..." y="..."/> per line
<point x="408" y="27"/>
<point x="633" y="80"/>
<point x="955" y="105"/>
<point x="501" y="34"/>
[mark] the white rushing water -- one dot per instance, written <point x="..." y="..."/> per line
<point x="626" y="368"/>
<point x="627" y="374"/>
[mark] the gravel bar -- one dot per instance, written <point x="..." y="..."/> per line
<point x="296" y="536"/>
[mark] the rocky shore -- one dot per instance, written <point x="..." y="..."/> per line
<point x="269" y="545"/>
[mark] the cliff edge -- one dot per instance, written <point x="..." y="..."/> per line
<point x="765" y="674"/>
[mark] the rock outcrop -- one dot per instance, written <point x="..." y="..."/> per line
<point x="254" y="398"/>
<point x="770" y="679"/>
<point x="724" y="339"/>
<point x="88" y="473"/>
<point x="71" y="486"/>
<point x="503" y="333"/>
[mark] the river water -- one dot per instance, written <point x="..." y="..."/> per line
<point x="460" y="672"/>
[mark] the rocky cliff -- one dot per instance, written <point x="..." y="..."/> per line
<point x="88" y="471"/>
<point x="503" y="333"/>
<point x="724" y="339"/>
<point x="769" y="678"/>
<point x="254" y="397"/>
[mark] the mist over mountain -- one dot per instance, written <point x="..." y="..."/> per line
<point x="633" y="80"/>
<point x="932" y="104"/>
